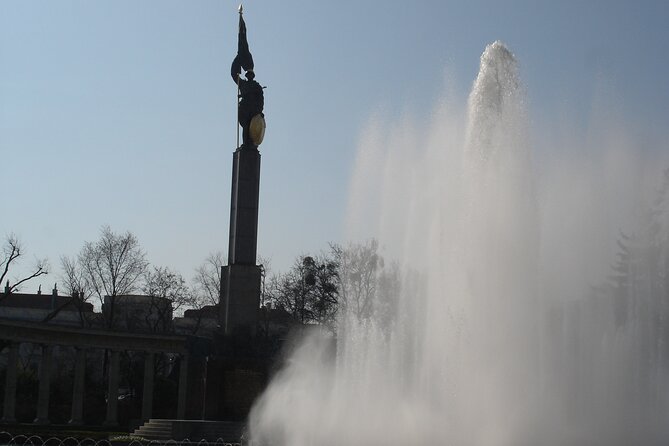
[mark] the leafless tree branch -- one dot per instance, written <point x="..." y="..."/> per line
<point x="11" y="252"/>
<point x="208" y="278"/>
<point x="112" y="266"/>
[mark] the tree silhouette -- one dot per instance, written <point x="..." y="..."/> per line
<point x="11" y="253"/>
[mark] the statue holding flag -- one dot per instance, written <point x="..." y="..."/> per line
<point x="250" y="108"/>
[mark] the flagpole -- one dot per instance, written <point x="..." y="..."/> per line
<point x="237" y="120"/>
<point x="241" y="11"/>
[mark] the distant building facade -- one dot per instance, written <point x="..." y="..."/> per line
<point x="138" y="313"/>
<point x="51" y="308"/>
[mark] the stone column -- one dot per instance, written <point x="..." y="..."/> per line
<point x="112" y="389"/>
<point x="78" y="388"/>
<point x="9" y="413"/>
<point x="183" y="387"/>
<point x="44" y="386"/>
<point x="147" y="394"/>
<point x="243" y="238"/>
<point x="240" y="279"/>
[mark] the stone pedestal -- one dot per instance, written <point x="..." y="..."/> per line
<point x="233" y="384"/>
<point x="240" y="289"/>
<point x="244" y="206"/>
<point x="234" y="375"/>
<point x="240" y="280"/>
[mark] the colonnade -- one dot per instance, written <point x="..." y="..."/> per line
<point x="78" y="387"/>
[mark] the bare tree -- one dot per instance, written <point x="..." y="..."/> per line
<point x="112" y="266"/>
<point x="73" y="282"/>
<point x="208" y="278"/>
<point x="360" y="265"/>
<point x="163" y="284"/>
<point x="11" y="252"/>
<point x="73" y="279"/>
<point x="367" y="285"/>
<point x="265" y="265"/>
<point x="308" y="292"/>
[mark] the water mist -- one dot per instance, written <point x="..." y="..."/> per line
<point x="487" y="341"/>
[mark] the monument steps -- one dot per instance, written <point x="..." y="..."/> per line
<point x="194" y="430"/>
<point x="155" y="430"/>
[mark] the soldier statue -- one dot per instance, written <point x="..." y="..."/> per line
<point x="250" y="109"/>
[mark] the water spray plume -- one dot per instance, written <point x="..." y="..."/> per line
<point x="483" y="341"/>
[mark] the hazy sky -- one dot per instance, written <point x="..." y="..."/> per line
<point x="122" y="113"/>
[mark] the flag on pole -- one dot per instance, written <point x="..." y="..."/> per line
<point x="244" y="59"/>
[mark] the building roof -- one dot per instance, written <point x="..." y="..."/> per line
<point x="42" y="302"/>
<point x="137" y="298"/>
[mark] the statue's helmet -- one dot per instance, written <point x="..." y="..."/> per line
<point x="250" y="75"/>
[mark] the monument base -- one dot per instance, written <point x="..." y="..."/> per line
<point x="240" y="298"/>
<point x="233" y="384"/>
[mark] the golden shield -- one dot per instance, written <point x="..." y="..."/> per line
<point x="257" y="129"/>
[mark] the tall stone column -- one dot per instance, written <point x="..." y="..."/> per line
<point x="243" y="237"/>
<point x="9" y="412"/>
<point x="77" y="417"/>
<point x="112" y="389"/>
<point x="240" y="279"/>
<point x="147" y="394"/>
<point x="44" y="386"/>
<point x="183" y="387"/>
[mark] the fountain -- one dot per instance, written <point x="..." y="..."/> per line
<point x="489" y="341"/>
